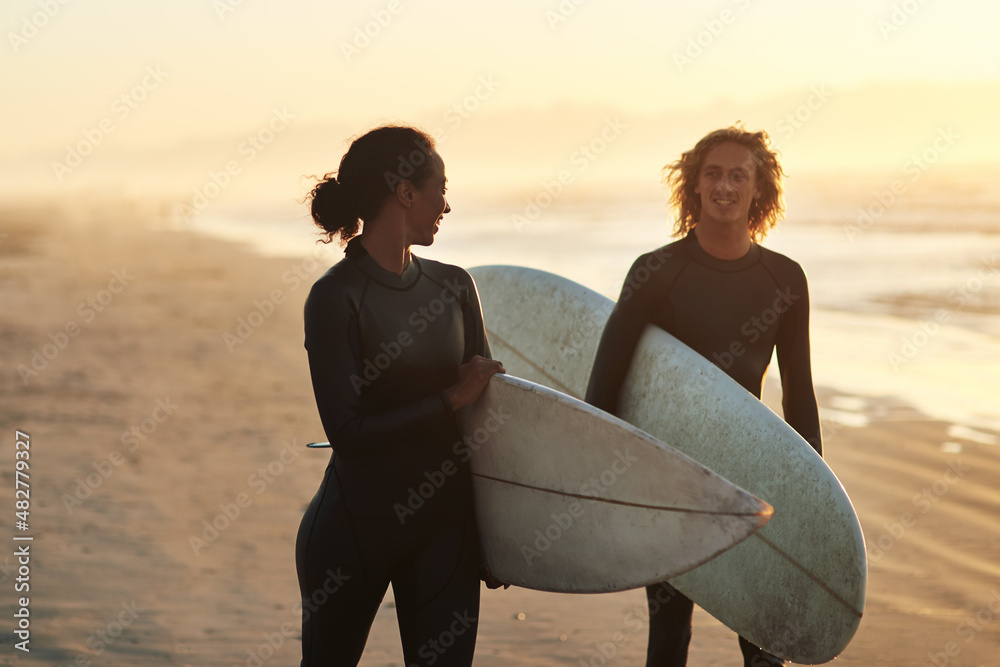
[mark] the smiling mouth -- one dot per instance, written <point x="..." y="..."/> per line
<point x="724" y="202"/>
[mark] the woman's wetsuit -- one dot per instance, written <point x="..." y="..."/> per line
<point x="395" y="505"/>
<point x="734" y="313"/>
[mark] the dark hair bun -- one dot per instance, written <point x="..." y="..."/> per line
<point x="332" y="209"/>
<point x="368" y="175"/>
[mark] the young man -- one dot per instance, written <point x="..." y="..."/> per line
<point x="730" y="300"/>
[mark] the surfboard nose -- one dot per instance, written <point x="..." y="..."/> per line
<point x="742" y="502"/>
<point x="766" y="512"/>
<point x="763" y="513"/>
<point x="572" y="499"/>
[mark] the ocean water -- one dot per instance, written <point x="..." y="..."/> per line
<point x="905" y="315"/>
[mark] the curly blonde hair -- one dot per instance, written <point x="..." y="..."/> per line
<point x="682" y="179"/>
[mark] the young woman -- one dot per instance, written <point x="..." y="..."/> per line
<point x="396" y="344"/>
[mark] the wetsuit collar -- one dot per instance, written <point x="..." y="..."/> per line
<point x="357" y="253"/>
<point x="697" y="253"/>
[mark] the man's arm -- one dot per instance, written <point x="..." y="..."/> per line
<point x="798" y="395"/>
<point x="621" y="335"/>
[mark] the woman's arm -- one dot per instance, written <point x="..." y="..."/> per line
<point x="335" y="364"/>
<point x="476" y="340"/>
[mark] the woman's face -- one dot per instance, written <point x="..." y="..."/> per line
<point x="428" y="207"/>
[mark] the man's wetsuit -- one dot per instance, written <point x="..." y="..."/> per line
<point x="395" y="505"/>
<point x="734" y="313"/>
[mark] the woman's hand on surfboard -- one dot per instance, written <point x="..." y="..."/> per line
<point x="473" y="376"/>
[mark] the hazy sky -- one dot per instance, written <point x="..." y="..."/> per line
<point x="170" y="78"/>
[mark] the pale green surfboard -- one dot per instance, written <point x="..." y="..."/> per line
<point x="797" y="586"/>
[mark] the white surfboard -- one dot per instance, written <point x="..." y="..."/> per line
<point x="571" y="499"/>
<point x="797" y="586"/>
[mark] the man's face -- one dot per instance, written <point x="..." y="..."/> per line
<point x="727" y="183"/>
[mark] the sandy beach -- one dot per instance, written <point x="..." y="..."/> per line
<point x="163" y="383"/>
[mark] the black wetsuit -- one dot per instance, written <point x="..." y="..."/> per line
<point x="734" y="313"/>
<point x="395" y="505"/>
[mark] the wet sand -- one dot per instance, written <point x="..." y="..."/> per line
<point x="158" y="411"/>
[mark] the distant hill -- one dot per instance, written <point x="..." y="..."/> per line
<point x="862" y="134"/>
